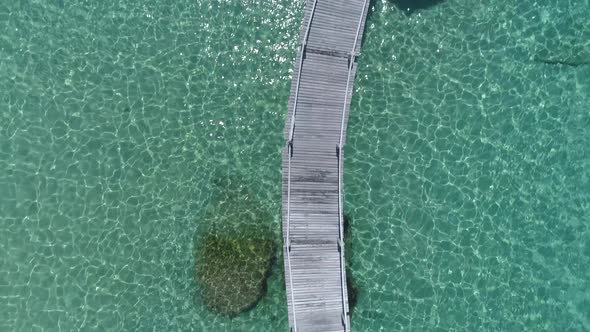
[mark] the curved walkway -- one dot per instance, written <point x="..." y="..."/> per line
<point x="315" y="131"/>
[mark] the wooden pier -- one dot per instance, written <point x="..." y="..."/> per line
<point x="315" y="132"/>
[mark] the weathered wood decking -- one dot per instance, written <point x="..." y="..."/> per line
<point x="315" y="130"/>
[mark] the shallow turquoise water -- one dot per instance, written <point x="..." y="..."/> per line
<point x="466" y="172"/>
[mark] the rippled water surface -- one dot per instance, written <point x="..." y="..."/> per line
<point x="122" y="123"/>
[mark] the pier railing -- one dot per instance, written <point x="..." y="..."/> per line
<point x="287" y="240"/>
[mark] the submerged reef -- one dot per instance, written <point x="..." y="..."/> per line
<point x="234" y="251"/>
<point x="233" y="272"/>
<point x="352" y="291"/>
<point x="351" y="285"/>
<point x="411" y="6"/>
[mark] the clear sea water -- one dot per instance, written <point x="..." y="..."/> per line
<point x="467" y="164"/>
